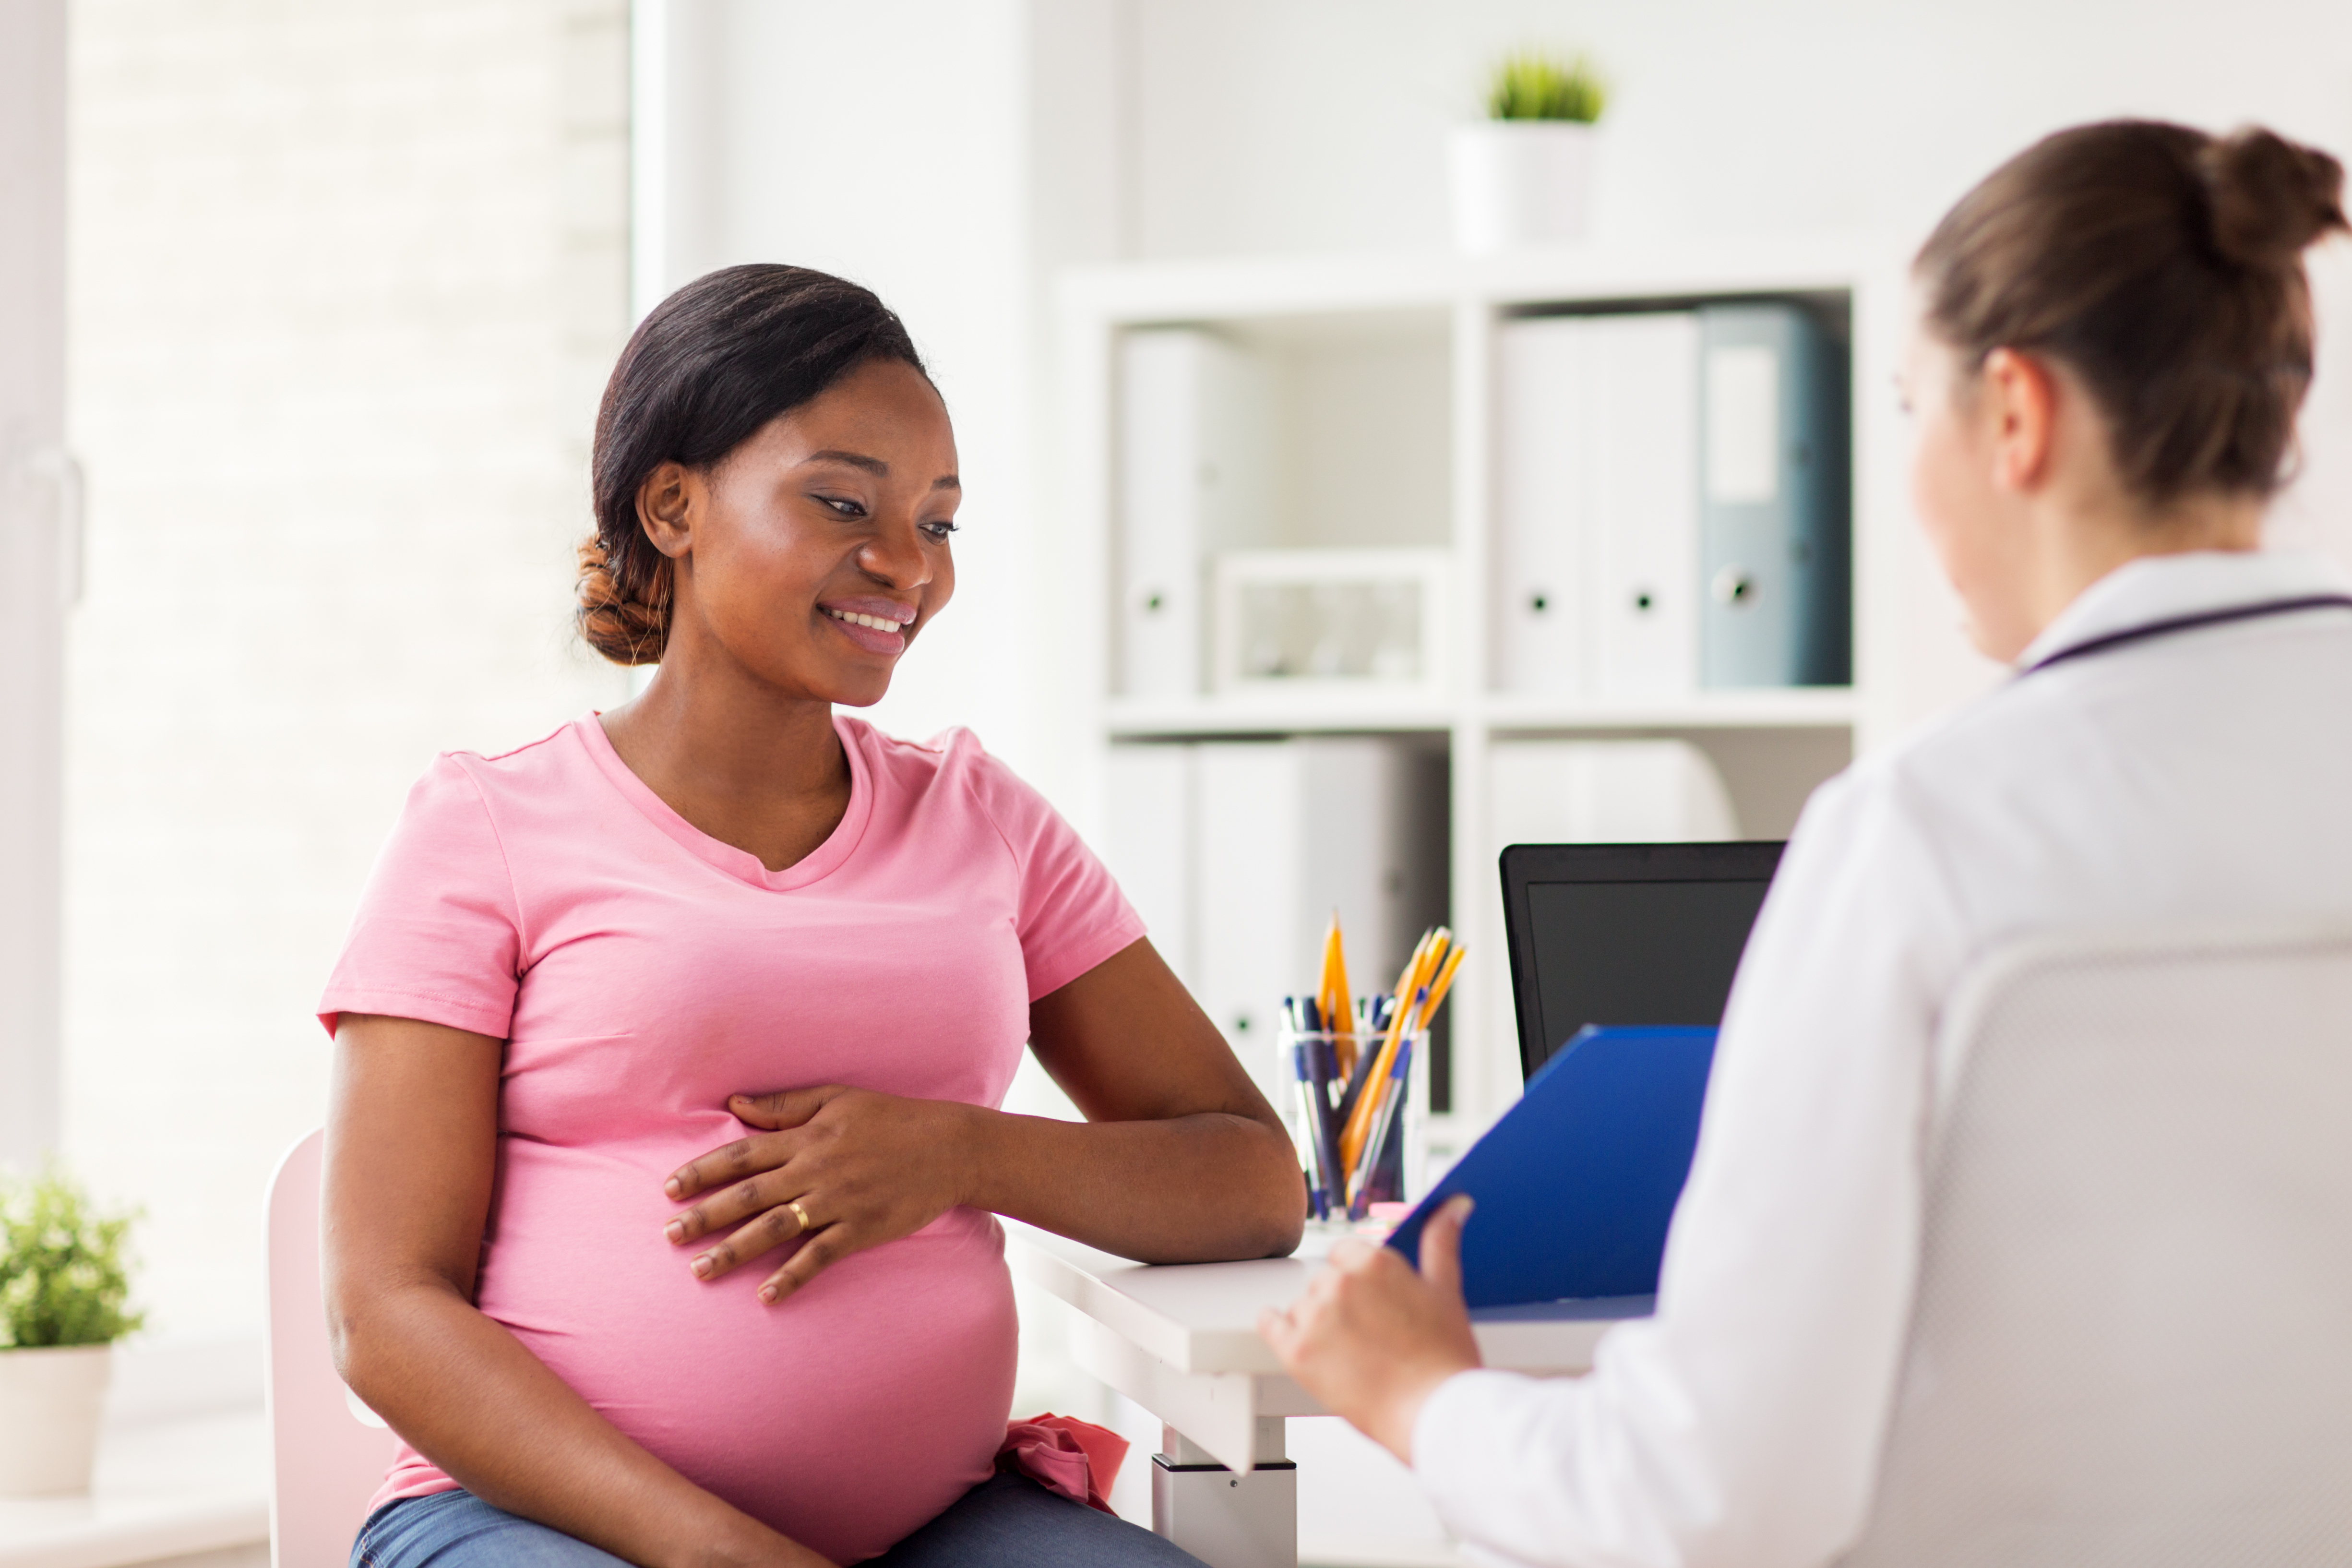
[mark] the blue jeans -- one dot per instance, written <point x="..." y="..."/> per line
<point x="1006" y="1521"/>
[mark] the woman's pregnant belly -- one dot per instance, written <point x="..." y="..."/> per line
<point x="845" y="1416"/>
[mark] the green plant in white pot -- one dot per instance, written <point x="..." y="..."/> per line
<point x="64" y="1294"/>
<point x="1525" y="175"/>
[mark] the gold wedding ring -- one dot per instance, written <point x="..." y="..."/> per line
<point x="801" y="1215"/>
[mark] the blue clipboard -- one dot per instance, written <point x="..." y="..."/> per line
<point x="1576" y="1184"/>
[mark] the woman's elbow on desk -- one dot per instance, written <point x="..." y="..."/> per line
<point x="1210" y="1188"/>
<point x="1183" y="1161"/>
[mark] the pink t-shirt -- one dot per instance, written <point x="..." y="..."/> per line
<point x="641" y="972"/>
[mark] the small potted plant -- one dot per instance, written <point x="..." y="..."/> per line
<point x="1525" y="175"/>
<point x="63" y="1289"/>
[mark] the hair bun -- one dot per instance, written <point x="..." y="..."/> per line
<point x="625" y="626"/>
<point x="2269" y="197"/>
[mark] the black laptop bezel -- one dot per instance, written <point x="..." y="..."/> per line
<point x="1523" y="865"/>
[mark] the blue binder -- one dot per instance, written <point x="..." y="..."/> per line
<point x="1775" y="500"/>
<point x="1575" y="1185"/>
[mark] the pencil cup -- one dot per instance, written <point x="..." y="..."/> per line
<point x="1353" y="1129"/>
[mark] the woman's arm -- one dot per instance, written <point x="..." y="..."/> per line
<point x="1180" y="1160"/>
<point x="412" y="1144"/>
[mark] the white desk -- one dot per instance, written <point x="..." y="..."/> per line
<point x="1182" y="1341"/>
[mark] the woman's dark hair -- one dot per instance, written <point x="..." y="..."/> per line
<point x="703" y="373"/>
<point x="2162" y="266"/>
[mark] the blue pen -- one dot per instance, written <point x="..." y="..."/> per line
<point x="1312" y="1129"/>
<point x="1384" y="1118"/>
<point x="1323" y="1067"/>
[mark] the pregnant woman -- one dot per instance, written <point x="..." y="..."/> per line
<point x="664" y="1146"/>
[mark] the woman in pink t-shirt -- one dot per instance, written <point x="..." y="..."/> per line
<point x="664" y="1149"/>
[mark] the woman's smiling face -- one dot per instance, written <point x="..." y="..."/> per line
<point x="817" y="551"/>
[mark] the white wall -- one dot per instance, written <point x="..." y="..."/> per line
<point x="1314" y="124"/>
<point x="32" y="609"/>
<point x="344" y="283"/>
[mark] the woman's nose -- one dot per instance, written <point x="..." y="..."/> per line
<point x="896" y="556"/>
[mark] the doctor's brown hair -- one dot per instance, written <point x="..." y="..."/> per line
<point x="704" y="371"/>
<point x="2164" y="267"/>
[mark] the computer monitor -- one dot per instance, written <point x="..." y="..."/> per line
<point x="1626" y="933"/>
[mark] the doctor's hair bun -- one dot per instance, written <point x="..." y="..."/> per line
<point x="706" y="371"/>
<point x="2164" y="267"/>
<point x="2271" y="198"/>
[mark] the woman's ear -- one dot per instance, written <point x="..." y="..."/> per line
<point x="666" y="504"/>
<point x="2017" y="411"/>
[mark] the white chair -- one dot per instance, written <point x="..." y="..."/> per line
<point x="328" y="1451"/>
<point x="2132" y="1343"/>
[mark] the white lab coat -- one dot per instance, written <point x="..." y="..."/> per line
<point x="2202" y="775"/>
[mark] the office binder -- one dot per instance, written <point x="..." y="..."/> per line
<point x="1642" y="507"/>
<point x="1775" y="500"/>
<point x="1542" y="459"/>
<point x="1576" y="1185"/>
<point x="1195" y="458"/>
<point x="1596" y="505"/>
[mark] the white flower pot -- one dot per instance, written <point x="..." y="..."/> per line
<point x="1520" y="182"/>
<point x="49" y="1404"/>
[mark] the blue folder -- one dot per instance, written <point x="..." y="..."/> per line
<point x="1575" y="1185"/>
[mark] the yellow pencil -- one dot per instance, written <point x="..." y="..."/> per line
<point x="1336" y="1000"/>
<point x="1416" y="975"/>
<point x="1351" y="1136"/>
<point x="1438" y="987"/>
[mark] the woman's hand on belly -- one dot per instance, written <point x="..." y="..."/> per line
<point x="1180" y="1160"/>
<point x="846" y="1168"/>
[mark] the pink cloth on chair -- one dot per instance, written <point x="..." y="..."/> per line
<point x="1076" y="1459"/>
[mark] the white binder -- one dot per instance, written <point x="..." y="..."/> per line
<point x="1644" y="591"/>
<point x="1541" y="487"/>
<point x="1194" y="465"/>
<point x="1596" y="503"/>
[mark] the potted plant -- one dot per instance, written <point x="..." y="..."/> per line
<point x="63" y="1285"/>
<point x="1525" y="175"/>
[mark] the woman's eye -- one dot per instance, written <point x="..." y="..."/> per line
<point x="939" y="531"/>
<point x="843" y="505"/>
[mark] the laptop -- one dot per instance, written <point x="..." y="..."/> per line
<point x="1626" y="933"/>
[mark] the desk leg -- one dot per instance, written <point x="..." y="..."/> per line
<point x="1228" y="1521"/>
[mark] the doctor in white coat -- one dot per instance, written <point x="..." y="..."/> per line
<point x="2114" y="336"/>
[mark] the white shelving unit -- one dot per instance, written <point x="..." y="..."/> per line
<point x="1440" y="313"/>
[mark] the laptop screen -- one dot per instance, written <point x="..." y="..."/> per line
<point x="1626" y="933"/>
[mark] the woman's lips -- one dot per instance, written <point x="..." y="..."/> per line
<point x="858" y="627"/>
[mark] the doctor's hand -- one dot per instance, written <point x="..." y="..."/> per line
<point x="1372" y="1339"/>
<point x="846" y="1168"/>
